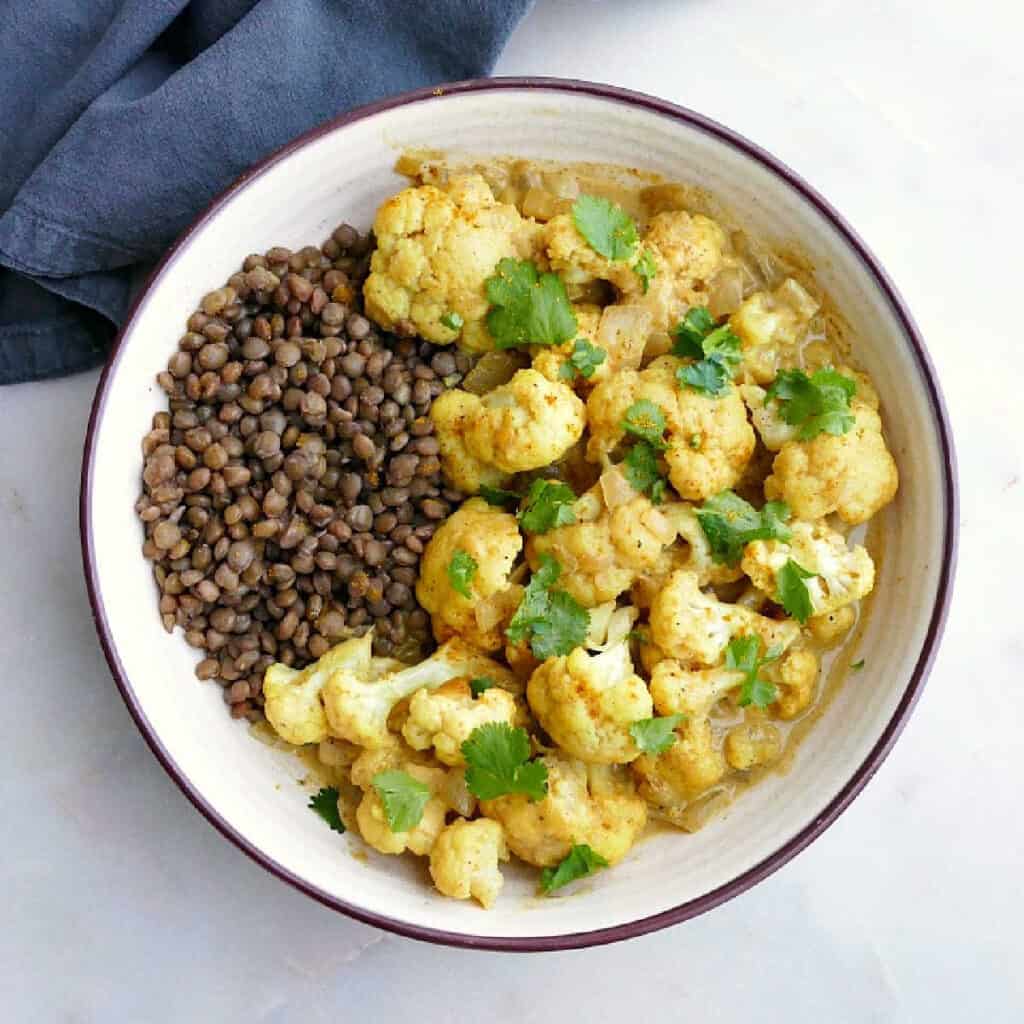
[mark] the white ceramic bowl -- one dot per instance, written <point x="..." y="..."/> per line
<point x="341" y="171"/>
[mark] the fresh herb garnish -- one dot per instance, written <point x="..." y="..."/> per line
<point x="402" y="797"/>
<point x="554" y="622"/>
<point x="498" y="497"/>
<point x="325" y="803"/>
<point x="580" y="862"/>
<point x="452" y="321"/>
<point x="640" y="467"/>
<point x="547" y="505"/>
<point x="608" y="229"/>
<point x="730" y="524"/>
<point x="857" y="665"/>
<point x="478" y="686"/>
<point x="646" y="419"/>
<point x="743" y="655"/>
<point x="646" y="269"/>
<point x="655" y="735"/>
<point x="819" y="404"/>
<point x="583" y="360"/>
<point x="716" y="349"/>
<point x="528" y="308"/>
<point x="497" y="762"/>
<point x="793" y="593"/>
<point x="461" y="570"/>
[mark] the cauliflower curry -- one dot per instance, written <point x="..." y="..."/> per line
<point x="666" y="448"/>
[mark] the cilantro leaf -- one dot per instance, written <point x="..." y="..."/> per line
<point x="452" y="321"/>
<point x="857" y="665"/>
<point x="584" y="359"/>
<point x="497" y="762"/>
<point x="730" y="524"/>
<point x="402" y="797"/>
<point x="580" y="862"/>
<point x="498" y="497"/>
<point x="461" y="570"/>
<point x="743" y="655"/>
<point x="555" y="623"/>
<point x="707" y="376"/>
<point x="646" y="269"/>
<point x="608" y="229"/>
<point x="646" y="420"/>
<point x="793" y="593"/>
<point x="691" y="331"/>
<point x="527" y="308"/>
<point x="717" y="350"/>
<point x="819" y="404"/>
<point x="325" y="803"/>
<point x="478" y="686"/>
<point x="640" y="467"/>
<point x="547" y="505"/>
<point x="655" y="735"/>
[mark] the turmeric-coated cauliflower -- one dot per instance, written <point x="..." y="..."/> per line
<point x="576" y="261"/>
<point x="771" y="325"/>
<point x="464" y="860"/>
<point x="605" y="549"/>
<point x="373" y="824"/>
<point x="587" y="702"/>
<point x="592" y="804"/>
<point x="445" y="717"/>
<point x="436" y="247"/>
<point x="709" y="439"/>
<point x="841" y="575"/>
<point x="525" y="424"/>
<point x="491" y="538"/>
<point x="695" y="628"/>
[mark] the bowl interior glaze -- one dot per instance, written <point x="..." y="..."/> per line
<point x="249" y="791"/>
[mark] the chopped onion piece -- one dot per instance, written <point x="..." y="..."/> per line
<point x="623" y="333"/>
<point x="615" y="488"/>
<point x="725" y="291"/>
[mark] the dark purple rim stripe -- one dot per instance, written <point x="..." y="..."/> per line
<point x="837" y="805"/>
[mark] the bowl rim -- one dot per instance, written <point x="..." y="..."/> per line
<point x="814" y="828"/>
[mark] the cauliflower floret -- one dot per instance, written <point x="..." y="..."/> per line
<point x="620" y="331"/>
<point x="292" y="701"/>
<point x="464" y="860"/>
<point x="771" y="325"/>
<point x="795" y="676"/>
<point x="586" y="703"/>
<point x="842" y="575"/>
<point x="853" y="475"/>
<point x="444" y="718"/>
<point x="358" y="707"/>
<point x="573" y="258"/>
<point x="709" y="439"/>
<point x="752" y="744"/>
<point x="436" y="247"/>
<point x="694" y="628"/>
<point x="420" y="840"/>
<point x="830" y="628"/>
<point x="605" y="549"/>
<point x="525" y="424"/>
<point x="592" y="804"/>
<point x="491" y="538"/>
<point x="676" y="690"/>
<point x="673" y="780"/>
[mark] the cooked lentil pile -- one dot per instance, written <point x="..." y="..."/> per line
<point x="290" y="487"/>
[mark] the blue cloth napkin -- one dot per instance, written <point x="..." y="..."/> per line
<point x="121" y="119"/>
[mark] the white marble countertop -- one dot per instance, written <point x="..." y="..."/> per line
<point x="121" y="904"/>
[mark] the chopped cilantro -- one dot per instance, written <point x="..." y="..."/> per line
<point x="527" y="308"/>
<point x="743" y="655"/>
<point x="497" y="762"/>
<point x="578" y="863"/>
<point x="402" y="797"/>
<point x="640" y="468"/>
<point x="498" y="497"/>
<point x="554" y="622"/>
<point x="583" y="360"/>
<point x="547" y="505"/>
<point x="857" y="665"/>
<point x="819" y="404"/>
<point x="655" y="735"/>
<point x="730" y="524"/>
<point x="646" y="420"/>
<point x="793" y="593"/>
<point x="608" y="229"/>
<point x="325" y="803"/>
<point x="461" y="570"/>
<point x="478" y="686"/>
<point x="716" y="349"/>
<point x="452" y="321"/>
<point x="646" y="269"/>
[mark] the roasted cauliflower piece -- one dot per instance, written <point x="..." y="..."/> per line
<point x="709" y="439"/>
<point x="445" y="717"/>
<point x="436" y="247"/>
<point x="464" y="860"/>
<point x="491" y="538"/>
<point x="751" y="745"/>
<point x="576" y="262"/>
<point x="525" y="424"/>
<point x="592" y="804"/>
<point x="605" y="549"/>
<point x="842" y="575"/>
<point x="795" y="676"/>
<point x="695" y="628"/>
<point x="771" y="325"/>
<point x="420" y="840"/>
<point x="587" y="702"/>
<point x="830" y="628"/>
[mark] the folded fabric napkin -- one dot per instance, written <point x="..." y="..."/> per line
<point x="121" y="119"/>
